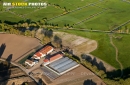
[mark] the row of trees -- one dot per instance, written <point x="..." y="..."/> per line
<point x="110" y="78"/>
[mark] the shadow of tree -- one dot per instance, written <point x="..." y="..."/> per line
<point x="117" y="74"/>
<point x="89" y="82"/>
<point x="86" y="57"/>
<point x="93" y="61"/>
<point x="2" y="48"/>
<point x="5" y="72"/>
<point x="9" y="58"/>
<point x="30" y="83"/>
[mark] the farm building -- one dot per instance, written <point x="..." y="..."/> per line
<point x="43" y="52"/>
<point x="30" y="63"/>
<point x="52" y="59"/>
<point x="37" y="55"/>
<point x="58" y="65"/>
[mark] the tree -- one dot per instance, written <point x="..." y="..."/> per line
<point x="33" y="33"/>
<point x="27" y="33"/>
<point x="28" y="21"/>
<point x="41" y="22"/>
<point x="48" y="33"/>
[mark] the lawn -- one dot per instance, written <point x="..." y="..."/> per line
<point x="48" y="12"/>
<point x="76" y="16"/>
<point x="105" y="51"/>
<point x="71" y="4"/>
<point x="9" y="17"/>
<point x="115" y="16"/>
<point x="22" y="11"/>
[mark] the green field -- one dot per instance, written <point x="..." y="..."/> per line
<point x="105" y="51"/>
<point x="123" y="46"/>
<point x="48" y="12"/>
<point x="113" y="15"/>
<point x="76" y="16"/>
<point x="9" y="17"/>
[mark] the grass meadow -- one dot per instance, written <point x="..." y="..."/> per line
<point x="123" y="46"/>
<point x="105" y="50"/>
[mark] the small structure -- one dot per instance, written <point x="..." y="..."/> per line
<point x="43" y="52"/>
<point x="52" y="59"/>
<point x="30" y="63"/>
<point x="37" y="55"/>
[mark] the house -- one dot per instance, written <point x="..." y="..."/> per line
<point x="43" y="52"/>
<point x="30" y="63"/>
<point x="52" y="59"/>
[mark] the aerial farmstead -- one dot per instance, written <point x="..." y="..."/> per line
<point x="38" y="55"/>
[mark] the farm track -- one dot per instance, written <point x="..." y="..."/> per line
<point x="92" y="16"/>
<point x="116" y="49"/>
<point x="32" y="12"/>
<point x="126" y="1"/>
<point x="17" y="14"/>
<point x="120" y="26"/>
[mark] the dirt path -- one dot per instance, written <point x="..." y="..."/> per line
<point x="121" y="66"/>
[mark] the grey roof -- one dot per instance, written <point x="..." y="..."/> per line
<point x="68" y="66"/>
<point x="62" y="64"/>
<point x="59" y="62"/>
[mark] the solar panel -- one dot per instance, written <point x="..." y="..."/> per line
<point x="68" y="66"/>
<point x="62" y="64"/>
<point x="58" y="62"/>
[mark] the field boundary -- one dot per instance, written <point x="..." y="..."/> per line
<point x="91" y="4"/>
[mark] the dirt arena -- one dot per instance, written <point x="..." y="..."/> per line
<point x="16" y="45"/>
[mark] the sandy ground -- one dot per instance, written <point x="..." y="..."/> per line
<point x="78" y="44"/>
<point x="76" y="76"/>
<point x="17" y="45"/>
